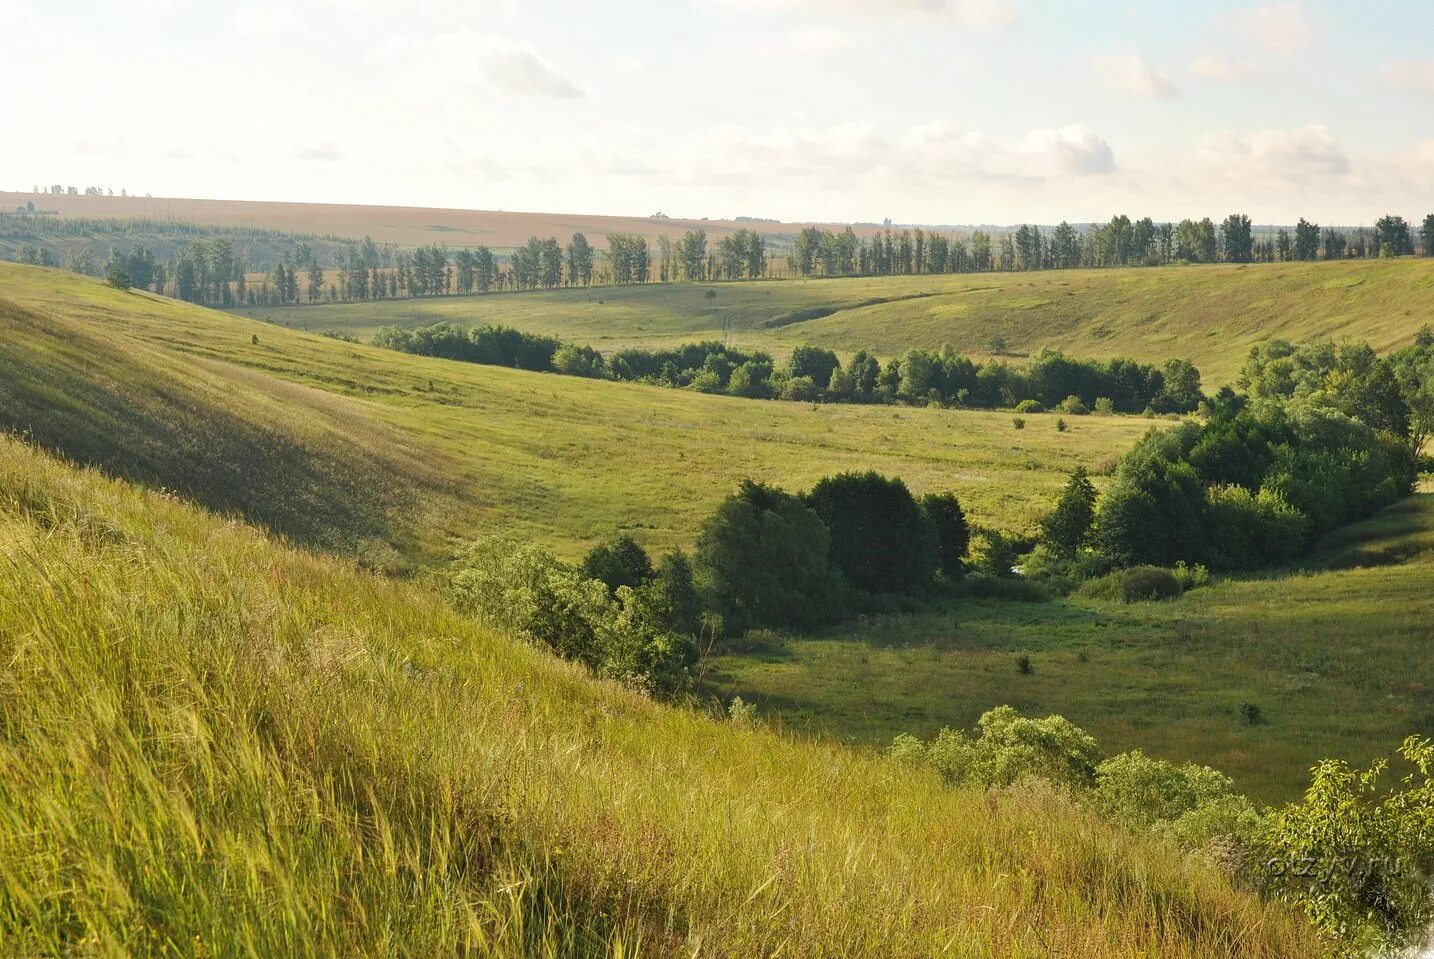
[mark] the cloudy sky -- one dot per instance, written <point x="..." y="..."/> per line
<point x="933" y="111"/>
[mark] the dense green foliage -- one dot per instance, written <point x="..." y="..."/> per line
<point x="1257" y="487"/>
<point x="881" y="540"/>
<point x="763" y="560"/>
<point x="1049" y="380"/>
<point x="632" y="633"/>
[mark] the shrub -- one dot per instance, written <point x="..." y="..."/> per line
<point x="1062" y="426"/>
<point x="799" y="388"/>
<point x="880" y="539"/>
<point x="1030" y="406"/>
<point x="1007" y="748"/>
<point x="525" y="590"/>
<point x="1355" y="856"/>
<point x="1141" y="793"/>
<point x="1134" y="585"/>
<point x="1018" y="422"/>
<point x="118" y="277"/>
<point x="1104" y="406"/>
<point x="763" y="559"/>
<point x="1073" y="405"/>
<point x="1023" y="665"/>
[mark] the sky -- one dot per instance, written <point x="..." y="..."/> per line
<point x="923" y="111"/>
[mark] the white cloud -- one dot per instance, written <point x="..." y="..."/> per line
<point x="1415" y="75"/>
<point x="251" y="20"/>
<point x="1126" y="75"/>
<point x="817" y="40"/>
<point x="990" y="14"/>
<point x="1073" y="150"/>
<point x="1282" y="27"/>
<point x="425" y="70"/>
<point x="325" y="152"/>
<point x="1209" y="67"/>
<point x="12" y="11"/>
<point x="1309" y="152"/>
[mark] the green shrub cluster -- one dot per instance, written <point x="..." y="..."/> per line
<point x="769" y="558"/>
<point x="642" y="631"/>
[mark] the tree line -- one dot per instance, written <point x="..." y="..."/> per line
<point x="1048" y="381"/>
<point x="219" y="272"/>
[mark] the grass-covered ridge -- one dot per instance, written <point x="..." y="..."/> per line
<point x="1210" y="314"/>
<point x="417" y="452"/>
<point x="211" y="742"/>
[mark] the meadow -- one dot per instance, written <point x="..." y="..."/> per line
<point x="277" y="754"/>
<point x="1335" y="654"/>
<point x="394" y="459"/>
<point x="1209" y="314"/>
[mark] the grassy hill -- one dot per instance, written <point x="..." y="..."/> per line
<point x="393" y="456"/>
<point x="1209" y="314"/>
<point x="211" y="744"/>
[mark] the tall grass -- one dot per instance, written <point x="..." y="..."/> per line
<point x="213" y="745"/>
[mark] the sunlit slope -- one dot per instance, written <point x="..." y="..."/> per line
<point x="451" y="449"/>
<point x="1209" y="314"/>
<point x="1337" y="657"/>
<point x="213" y="745"/>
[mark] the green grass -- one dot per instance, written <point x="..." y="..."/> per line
<point x="1211" y="315"/>
<point x="215" y="745"/>
<point x="394" y="457"/>
<point x="1337" y="659"/>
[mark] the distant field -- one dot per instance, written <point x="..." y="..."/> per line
<point x="1211" y="315"/>
<point x="402" y="226"/>
<point x="1339" y="661"/>
<point x="421" y="451"/>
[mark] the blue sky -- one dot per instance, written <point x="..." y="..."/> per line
<point x="935" y="111"/>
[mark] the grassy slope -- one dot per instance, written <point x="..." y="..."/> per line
<point x="1209" y="314"/>
<point x="1338" y="660"/>
<point x="213" y="745"/>
<point x="440" y="449"/>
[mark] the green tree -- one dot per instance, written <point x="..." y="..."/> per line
<point x="762" y="559"/>
<point x="947" y="523"/>
<point x="117" y="277"/>
<point x="1306" y="240"/>
<point x="813" y="362"/>
<point x="1426" y="235"/>
<point x="879" y="538"/>
<point x="1239" y="238"/>
<point x="1068" y="526"/>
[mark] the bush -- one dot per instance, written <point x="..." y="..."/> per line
<point x="799" y="388"/>
<point x="525" y="590"/>
<point x="1008" y="748"/>
<point x="1104" y="406"/>
<point x="1018" y="422"/>
<point x="1072" y="405"/>
<point x="880" y="538"/>
<point x="998" y="555"/>
<point x="1062" y="426"/>
<point x="1030" y="406"/>
<point x="763" y="559"/>
<point x="1134" y="585"/>
<point x="1141" y="793"/>
<point x="118" y="277"/>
